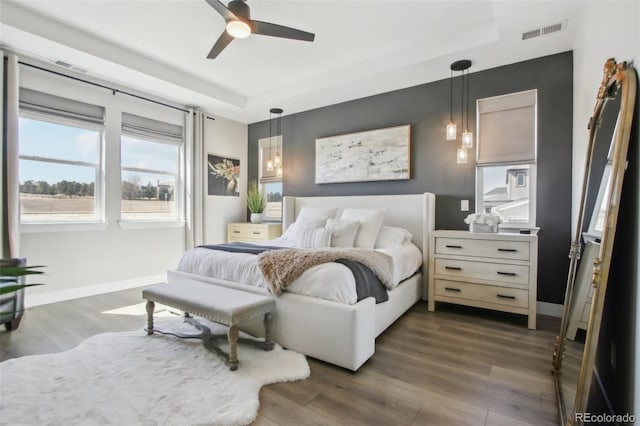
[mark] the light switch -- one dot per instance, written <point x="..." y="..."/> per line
<point x="464" y="205"/>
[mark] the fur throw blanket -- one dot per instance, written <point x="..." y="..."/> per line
<point x="281" y="267"/>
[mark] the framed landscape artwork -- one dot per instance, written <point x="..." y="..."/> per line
<point x="372" y="155"/>
<point x="222" y="176"/>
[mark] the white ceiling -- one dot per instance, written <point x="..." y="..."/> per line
<point x="361" y="48"/>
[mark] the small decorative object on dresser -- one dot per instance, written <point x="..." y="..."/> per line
<point x="493" y="271"/>
<point x="483" y="222"/>
<point x="251" y="232"/>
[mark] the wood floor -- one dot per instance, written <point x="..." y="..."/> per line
<point x="455" y="366"/>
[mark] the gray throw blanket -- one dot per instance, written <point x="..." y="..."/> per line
<point x="281" y="267"/>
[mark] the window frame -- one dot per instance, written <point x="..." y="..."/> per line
<point x="99" y="185"/>
<point x="179" y="192"/>
<point x="532" y="194"/>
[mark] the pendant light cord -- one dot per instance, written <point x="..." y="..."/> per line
<point x="467" y="100"/>
<point x="451" y="97"/>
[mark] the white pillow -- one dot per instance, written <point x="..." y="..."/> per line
<point x="392" y="236"/>
<point x="317" y="212"/>
<point x="370" y="223"/>
<point x="313" y="238"/>
<point x="303" y="222"/>
<point x="308" y="213"/>
<point x="343" y="232"/>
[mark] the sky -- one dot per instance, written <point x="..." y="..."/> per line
<point x="44" y="139"/>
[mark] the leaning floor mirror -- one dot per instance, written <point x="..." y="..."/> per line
<point x="592" y="247"/>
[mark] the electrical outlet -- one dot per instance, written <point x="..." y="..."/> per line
<point x="464" y="205"/>
<point x="612" y="354"/>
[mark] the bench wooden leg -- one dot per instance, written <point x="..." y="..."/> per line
<point x="150" y="308"/>
<point x="232" y="335"/>
<point x="268" y="344"/>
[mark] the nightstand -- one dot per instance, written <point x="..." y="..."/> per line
<point x="251" y="232"/>
<point x="485" y="270"/>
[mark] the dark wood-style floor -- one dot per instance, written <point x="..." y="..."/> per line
<point x="455" y="366"/>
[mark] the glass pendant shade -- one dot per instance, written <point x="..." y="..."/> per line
<point x="462" y="156"/>
<point x="279" y="171"/>
<point x="451" y="131"/>
<point x="238" y="29"/>
<point x="276" y="160"/>
<point x="270" y="165"/>
<point x="467" y="139"/>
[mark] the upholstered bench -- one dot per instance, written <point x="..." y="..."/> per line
<point x="218" y="304"/>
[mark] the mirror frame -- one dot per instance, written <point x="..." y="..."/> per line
<point x="618" y="80"/>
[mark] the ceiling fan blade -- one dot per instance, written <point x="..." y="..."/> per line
<point x="224" y="39"/>
<point x="274" y="30"/>
<point x="222" y="10"/>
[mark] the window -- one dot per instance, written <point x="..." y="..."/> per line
<point x="60" y="159"/>
<point x="151" y="185"/>
<point x="506" y="158"/>
<point x="271" y="180"/>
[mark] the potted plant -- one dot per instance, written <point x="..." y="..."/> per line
<point x="12" y="285"/>
<point x="256" y="203"/>
<point x="483" y="222"/>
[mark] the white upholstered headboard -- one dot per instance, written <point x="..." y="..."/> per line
<point x="414" y="212"/>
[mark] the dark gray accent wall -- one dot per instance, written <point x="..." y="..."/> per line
<point x="433" y="159"/>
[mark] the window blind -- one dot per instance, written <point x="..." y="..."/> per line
<point x="147" y="128"/>
<point x="267" y="176"/>
<point x="44" y="104"/>
<point x="507" y="128"/>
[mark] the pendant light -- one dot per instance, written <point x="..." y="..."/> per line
<point x="467" y="135"/>
<point x="270" y="160"/>
<point x="451" y="130"/>
<point x="277" y="160"/>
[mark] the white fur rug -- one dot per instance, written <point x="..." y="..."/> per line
<point x="133" y="379"/>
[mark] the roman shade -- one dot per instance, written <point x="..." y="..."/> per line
<point x="507" y="128"/>
<point x="44" y="105"/>
<point x="147" y="128"/>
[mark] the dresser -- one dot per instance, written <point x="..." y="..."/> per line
<point x="485" y="270"/>
<point x="250" y="232"/>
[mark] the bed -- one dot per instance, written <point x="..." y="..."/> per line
<point x="339" y="333"/>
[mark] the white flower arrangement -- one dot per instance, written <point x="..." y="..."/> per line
<point x="483" y="218"/>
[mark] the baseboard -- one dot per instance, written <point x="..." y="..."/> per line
<point x="90" y="290"/>
<point x="550" y="309"/>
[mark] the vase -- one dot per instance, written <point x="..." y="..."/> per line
<point x="483" y="227"/>
<point x="256" y="218"/>
<point x="231" y="187"/>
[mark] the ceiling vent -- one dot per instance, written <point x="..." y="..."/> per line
<point x="69" y="66"/>
<point x="543" y="31"/>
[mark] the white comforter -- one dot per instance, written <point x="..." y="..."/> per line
<point x="331" y="281"/>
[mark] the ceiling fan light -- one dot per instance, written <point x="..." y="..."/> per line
<point x="238" y="29"/>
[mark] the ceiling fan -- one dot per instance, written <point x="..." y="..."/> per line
<point x="240" y="25"/>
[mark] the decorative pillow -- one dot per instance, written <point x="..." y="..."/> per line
<point x="303" y="222"/>
<point x="343" y="232"/>
<point x="313" y="238"/>
<point x="306" y="214"/>
<point x="391" y="236"/>
<point x="370" y="223"/>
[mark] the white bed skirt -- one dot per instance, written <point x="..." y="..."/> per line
<point x="340" y="334"/>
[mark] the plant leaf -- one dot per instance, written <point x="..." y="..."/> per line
<point x="17" y="271"/>
<point x="16" y="287"/>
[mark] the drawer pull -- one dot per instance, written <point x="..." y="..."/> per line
<point x="453" y="268"/>
<point x="452" y="246"/>
<point x="457" y="290"/>
<point x="256" y="232"/>
<point x="236" y="231"/>
<point x="511" y="274"/>
<point x="509" y="250"/>
<point x="504" y="296"/>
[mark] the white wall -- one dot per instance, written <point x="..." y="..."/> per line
<point x="224" y="138"/>
<point x="98" y="255"/>
<point x="607" y="29"/>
